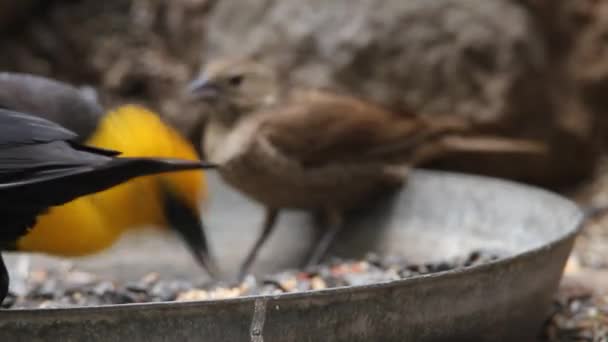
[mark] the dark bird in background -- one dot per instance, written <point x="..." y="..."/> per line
<point x="94" y="222"/>
<point x="298" y="148"/>
<point x="41" y="166"/>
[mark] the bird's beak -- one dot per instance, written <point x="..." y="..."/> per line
<point x="189" y="225"/>
<point x="203" y="89"/>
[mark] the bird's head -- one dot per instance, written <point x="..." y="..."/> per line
<point x="236" y="86"/>
<point x="171" y="200"/>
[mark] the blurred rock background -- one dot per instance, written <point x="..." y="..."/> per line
<point x="525" y="68"/>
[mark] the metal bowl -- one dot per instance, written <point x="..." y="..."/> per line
<point x="438" y="215"/>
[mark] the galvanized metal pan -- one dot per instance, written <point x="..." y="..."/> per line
<point x="437" y="216"/>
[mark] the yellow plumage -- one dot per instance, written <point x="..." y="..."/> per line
<point x="92" y="223"/>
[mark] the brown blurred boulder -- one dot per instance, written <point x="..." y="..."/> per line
<point x="13" y="12"/>
<point x="525" y="68"/>
<point x="130" y="50"/>
<point x="487" y="60"/>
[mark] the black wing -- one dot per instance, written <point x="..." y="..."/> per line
<point x="20" y="129"/>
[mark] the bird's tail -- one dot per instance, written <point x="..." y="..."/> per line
<point x="492" y="144"/>
<point x="445" y="134"/>
<point x="90" y="179"/>
<point x="120" y="170"/>
<point x="476" y="144"/>
<point x="447" y="124"/>
<point x="158" y="165"/>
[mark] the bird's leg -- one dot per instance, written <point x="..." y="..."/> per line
<point x="327" y="234"/>
<point x="3" y="280"/>
<point x="269" y="223"/>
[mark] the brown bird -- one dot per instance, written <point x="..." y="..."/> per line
<point x="290" y="147"/>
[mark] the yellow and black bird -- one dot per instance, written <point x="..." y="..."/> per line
<point x="41" y="166"/>
<point x="92" y="223"/>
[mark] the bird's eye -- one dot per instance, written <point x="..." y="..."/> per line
<point x="235" y="81"/>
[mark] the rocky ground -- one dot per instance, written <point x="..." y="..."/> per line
<point x="581" y="306"/>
